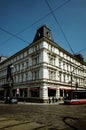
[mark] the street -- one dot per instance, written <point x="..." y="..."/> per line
<point x="42" y="117"/>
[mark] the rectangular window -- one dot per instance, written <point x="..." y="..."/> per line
<point x="63" y="65"/>
<point x="25" y="92"/>
<point x="26" y="76"/>
<point x="35" y="60"/>
<point x="67" y="67"/>
<point x="64" y="78"/>
<point x="52" y="74"/>
<point x="60" y="64"/>
<point x="26" y="64"/>
<point x="22" y="78"/>
<point x="19" y="67"/>
<point x="22" y="65"/>
<point x="18" y="78"/>
<point x="34" y="92"/>
<point x="35" y="74"/>
<point x="51" y="59"/>
<point x="21" y="92"/>
<point x="60" y="77"/>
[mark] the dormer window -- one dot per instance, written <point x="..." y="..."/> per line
<point x="48" y="35"/>
<point x="43" y="31"/>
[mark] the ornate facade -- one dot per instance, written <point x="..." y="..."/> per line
<point x="43" y="69"/>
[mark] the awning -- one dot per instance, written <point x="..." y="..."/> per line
<point x="33" y="89"/>
<point x="65" y="88"/>
<point x="52" y="88"/>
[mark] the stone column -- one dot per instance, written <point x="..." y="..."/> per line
<point x="44" y="93"/>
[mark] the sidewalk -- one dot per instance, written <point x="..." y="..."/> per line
<point x="32" y="103"/>
<point x="1" y="102"/>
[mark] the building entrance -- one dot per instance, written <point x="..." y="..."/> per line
<point x="51" y="92"/>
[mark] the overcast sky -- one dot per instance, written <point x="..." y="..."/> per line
<point x="24" y="17"/>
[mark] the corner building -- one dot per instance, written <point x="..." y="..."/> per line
<point x="42" y="70"/>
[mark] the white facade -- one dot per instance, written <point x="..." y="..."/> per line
<point x="43" y="69"/>
<point x="2" y="58"/>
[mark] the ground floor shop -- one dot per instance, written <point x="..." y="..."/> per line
<point x="40" y="93"/>
<point x="36" y="92"/>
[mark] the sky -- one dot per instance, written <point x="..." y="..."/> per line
<point x="20" y="19"/>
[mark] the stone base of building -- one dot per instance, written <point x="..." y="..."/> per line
<point x="34" y="100"/>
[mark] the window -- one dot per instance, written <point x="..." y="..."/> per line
<point x="21" y="55"/>
<point x="15" y="79"/>
<point x="26" y="64"/>
<point x="34" y="92"/>
<point x="18" y="78"/>
<point x="35" y="74"/>
<point x="70" y="68"/>
<point x="26" y="76"/>
<point x="51" y="59"/>
<point x="19" y="67"/>
<point x="60" y="77"/>
<point x="15" y="68"/>
<point x="63" y="65"/>
<point x="52" y="74"/>
<point x="22" y="65"/>
<point x="25" y="92"/>
<point x="59" y="63"/>
<point x="36" y="48"/>
<point x="64" y="78"/>
<point x="22" y="78"/>
<point x="35" y="60"/>
<point x="21" y="92"/>
<point x="14" y="92"/>
<point x="67" y="68"/>
<point x="25" y="54"/>
<point x="68" y="78"/>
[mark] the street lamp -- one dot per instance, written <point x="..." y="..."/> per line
<point x="76" y="85"/>
<point x="10" y="80"/>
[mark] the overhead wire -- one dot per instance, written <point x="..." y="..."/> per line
<point x="81" y="50"/>
<point x="60" y="6"/>
<point x="58" y="23"/>
<point x="26" y="28"/>
<point x="13" y="35"/>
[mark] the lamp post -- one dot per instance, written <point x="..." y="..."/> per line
<point x="76" y="85"/>
<point x="10" y="80"/>
<point x="71" y="80"/>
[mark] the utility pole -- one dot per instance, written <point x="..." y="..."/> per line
<point x="72" y="77"/>
<point x="71" y="80"/>
<point x="10" y="80"/>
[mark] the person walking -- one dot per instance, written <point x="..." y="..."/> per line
<point x="49" y="100"/>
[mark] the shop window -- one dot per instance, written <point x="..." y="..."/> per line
<point x="14" y="93"/>
<point x="61" y="93"/>
<point x="25" y="93"/>
<point x="21" y="93"/>
<point x="51" y="93"/>
<point x="35" y="92"/>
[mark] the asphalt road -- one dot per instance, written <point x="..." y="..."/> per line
<point x="42" y="117"/>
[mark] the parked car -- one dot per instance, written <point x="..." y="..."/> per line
<point x="11" y="101"/>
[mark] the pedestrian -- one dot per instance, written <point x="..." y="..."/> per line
<point x="49" y="100"/>
<point x="53" y="99"/>
<point x="56" y="99"/>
